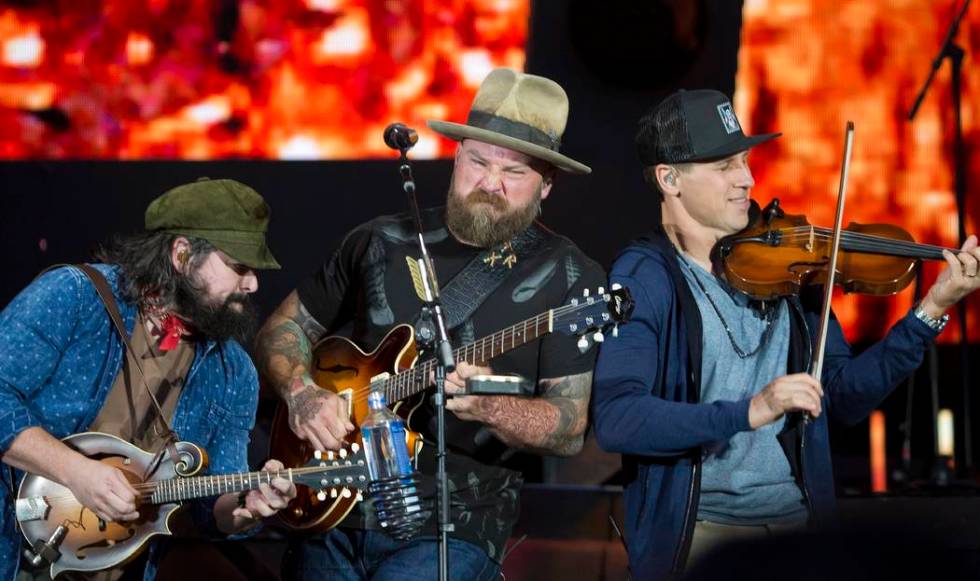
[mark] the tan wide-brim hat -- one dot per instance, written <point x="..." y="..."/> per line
<point x="522" y="112"/>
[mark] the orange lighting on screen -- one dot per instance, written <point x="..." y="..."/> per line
<point x="806" y="66"/>
<point x="306" y="79"/>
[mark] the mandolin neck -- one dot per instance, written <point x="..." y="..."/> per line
<point x="178" y="489"/>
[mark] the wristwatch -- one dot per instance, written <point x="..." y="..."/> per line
<point x="936" y="325"/>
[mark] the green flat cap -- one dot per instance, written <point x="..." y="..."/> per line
<point x="228" y="214"/>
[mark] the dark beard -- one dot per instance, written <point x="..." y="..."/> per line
<point x="217" y="322"/>
<point x="472" y="221"/>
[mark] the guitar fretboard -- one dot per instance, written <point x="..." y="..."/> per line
<point x="176" y="489"/>
<point x="415" y="380"/>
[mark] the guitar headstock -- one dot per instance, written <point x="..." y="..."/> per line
<point x="594" y="313"/>
<point x="335" y="473"/>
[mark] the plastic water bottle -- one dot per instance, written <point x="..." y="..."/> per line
<point x="384" y="440"/>
<point x="393" y="482"/>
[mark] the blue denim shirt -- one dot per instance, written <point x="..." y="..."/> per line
<point x="59" y="357"/>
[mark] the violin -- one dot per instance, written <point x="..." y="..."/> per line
<point x="779" y="254"/>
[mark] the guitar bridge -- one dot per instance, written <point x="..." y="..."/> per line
<point x="33" y="508"/>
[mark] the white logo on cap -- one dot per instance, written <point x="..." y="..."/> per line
<point x="728" y="118"/>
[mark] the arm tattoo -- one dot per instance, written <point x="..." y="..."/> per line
<point x="305" y="404"/>
<point x="284" y="344"/>
<point x="553" y="423"/>
<point x="308" y="323"/>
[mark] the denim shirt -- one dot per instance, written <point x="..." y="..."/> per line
<point x="59" y="357"/>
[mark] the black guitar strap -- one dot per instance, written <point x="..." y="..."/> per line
<point x="472" y="285"/>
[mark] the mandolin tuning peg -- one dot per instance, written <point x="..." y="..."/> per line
<point x="343" y="452"/>
<point x="598" y="337"/>
<point x="346" y="493"/>
<point x="585" y="292"/>
<point x="583" y="344"/>
<point x="333" y="493"/>
<point x="616" y="286"/>
<point x="601" y="291"/>
<point x="355" y="447"/>
<point x="359" y="496"/>
<point x="318" y="454"/>
<point x="331" y="456"/>
<point x="615" y="332"/>
<point x="321" y="496"/>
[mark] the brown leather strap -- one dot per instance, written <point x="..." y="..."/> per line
<point x="109" y="300"/>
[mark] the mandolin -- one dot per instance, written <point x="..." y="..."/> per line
<point x="73" y="538"/>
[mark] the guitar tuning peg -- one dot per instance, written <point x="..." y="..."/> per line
<point x="343" y="452"/>
<point x="355" y="447"/>
<point x="321" y="496"/>
<point x="359" y="497"/>
<point x="346" y="493"/>
<point x="333" y="493"/>
<point x="318" y="454"/>
<point x="331" y="456"/>
<point x="585" y="292"/>
<point x="616" y="286"/>
<point x="615" y="332"/>
<point x="598" y="337"/>
<point x="583" y="344"/>
<point x="601" y="291"/>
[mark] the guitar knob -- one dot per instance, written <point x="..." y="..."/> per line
<point x="616" y="286"/>
<point x="321" y="496"/>
<point x="598" y="338"/>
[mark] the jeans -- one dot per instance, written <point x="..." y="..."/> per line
<point x="357" y="555"/>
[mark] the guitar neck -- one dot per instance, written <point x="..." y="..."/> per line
<point x="415" y="380"/>
<point x="177" y="489"/>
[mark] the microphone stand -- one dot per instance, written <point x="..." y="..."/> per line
<point x="950" y="50"/>
<point x="444" y="364"/>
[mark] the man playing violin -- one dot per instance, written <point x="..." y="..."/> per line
<point x="182" y="291"/>
<point x="505" y="165"/>
<point x="703" y="391"/>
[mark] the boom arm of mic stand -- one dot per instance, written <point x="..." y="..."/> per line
<point x="948" y="49"/>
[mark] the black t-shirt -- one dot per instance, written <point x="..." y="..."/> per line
<point x="366" y="289"/>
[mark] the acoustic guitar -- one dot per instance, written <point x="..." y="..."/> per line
<point x="73" y="538"/>
<point x="340" y="366"/>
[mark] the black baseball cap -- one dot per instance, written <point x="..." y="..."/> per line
<point x="693" y="126"/>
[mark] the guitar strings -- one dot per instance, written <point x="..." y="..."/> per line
<point x="413" y="377"/>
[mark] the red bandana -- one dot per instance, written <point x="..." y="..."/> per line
<point x="172" y="329"/>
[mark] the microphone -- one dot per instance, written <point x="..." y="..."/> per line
<point x="401" y="137"/>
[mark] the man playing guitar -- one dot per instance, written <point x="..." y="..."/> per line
<point x="181" y="289"/>
<point x="485" y="239"/>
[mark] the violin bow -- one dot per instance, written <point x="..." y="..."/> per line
<point x="816" y="368"/>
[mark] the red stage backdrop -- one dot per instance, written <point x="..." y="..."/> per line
<point x="277" y="79"/>
<point x="807" y="66"/>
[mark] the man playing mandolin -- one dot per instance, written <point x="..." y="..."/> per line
<point x="702" y="391"/>
<point x="485" y="240"/>
<point x="181" y="289"/>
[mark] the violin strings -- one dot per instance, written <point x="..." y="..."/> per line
<point x="870" y="242"/>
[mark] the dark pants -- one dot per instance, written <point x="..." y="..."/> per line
<point x="356" y="555"/>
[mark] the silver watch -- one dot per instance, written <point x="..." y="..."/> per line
<point x="936" y="325"/>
